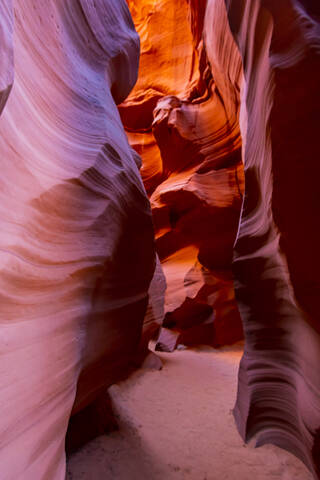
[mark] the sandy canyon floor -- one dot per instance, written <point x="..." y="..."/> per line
<point x="177" y="424"/>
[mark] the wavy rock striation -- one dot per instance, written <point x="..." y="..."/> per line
<point x="190" y="145"/>
<point x="206" y="68"/>
<point x="76" y="243"/>
<point x="277" y="257"/>
<point x="76" y="246"/>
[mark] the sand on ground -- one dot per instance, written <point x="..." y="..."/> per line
<point x="177" y="423"/>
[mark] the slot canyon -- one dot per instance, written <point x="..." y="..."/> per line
<point x="159" y="241"/>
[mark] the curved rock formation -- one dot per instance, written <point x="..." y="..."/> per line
<point x="77" y="248"/>
<point x="276" y="254"/>
<point x="190" y="146"/>
<point x="76" y="243"/>
<point x="257" y="61"/>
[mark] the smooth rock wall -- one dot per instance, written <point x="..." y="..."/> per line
<point x="277" y="257"/>
<point x="76" y="244"/>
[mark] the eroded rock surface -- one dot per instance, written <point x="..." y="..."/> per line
<point x="76" y="243"/>
<point x="190" y="144"/>
<point x="276" y="254"/>
<point x="257" y="64"/>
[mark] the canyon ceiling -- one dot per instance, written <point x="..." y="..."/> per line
<point x="175" y="197"/>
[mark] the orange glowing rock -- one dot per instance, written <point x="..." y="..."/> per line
<point x="255" y="64"/>
<point x="190" y="146"/>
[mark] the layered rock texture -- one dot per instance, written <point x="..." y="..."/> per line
<point x="190" y="145"/>
<point x="222" y="84"/>
<point x="206" y="68"/>
<point x="276" y="253"/>
<point x="76" y="242"/>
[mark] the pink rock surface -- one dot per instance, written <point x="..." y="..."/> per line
<point x="76" y="243"/>
<point x="76" y="246"/>
<point x="277" y="250"/>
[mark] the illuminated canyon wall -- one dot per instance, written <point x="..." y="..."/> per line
<point x="76" y="242"/>
<point x="207" y="70"/>
<point x="221" y="83"/>
<point x="190" y="144"/>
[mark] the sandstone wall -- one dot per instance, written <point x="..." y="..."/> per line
<point x="209" y="70"/>
<point x="276" y="252"/>
<point x="76" y="244"/>
<point x="190" y="145"/>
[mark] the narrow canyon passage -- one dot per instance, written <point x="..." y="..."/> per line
<point x="177" y="424"/>
<point x="159" y="188"/>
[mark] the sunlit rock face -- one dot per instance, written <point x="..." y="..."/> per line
<point x="189" y="139"/>
<point x="76" y="242"/>
<point x="206" y="68"/>
<point x="277" y="256"/>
